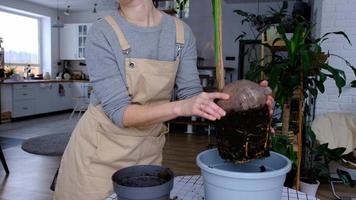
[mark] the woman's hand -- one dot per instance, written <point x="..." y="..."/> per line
<point x="270" y="99"/>
<point x="202" y="105"/>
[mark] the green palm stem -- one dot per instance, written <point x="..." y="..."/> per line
<point x="217" y="15"/>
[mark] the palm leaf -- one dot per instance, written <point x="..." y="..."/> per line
<point x="338" y="33"/>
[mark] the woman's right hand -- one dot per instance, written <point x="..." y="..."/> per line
<point x="202" y="105"/>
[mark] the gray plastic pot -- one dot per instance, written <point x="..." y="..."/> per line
<point x="143" y="182"/>
<point x="228" y="181"/>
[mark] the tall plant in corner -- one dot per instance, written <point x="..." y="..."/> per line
<point x="303" y="68"/>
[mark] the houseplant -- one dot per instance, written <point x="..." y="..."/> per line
<point x="304" y="67"/>
<point x="316" y="166"/>
<point x="301" y="69"/>
<point x="9" y="71"/>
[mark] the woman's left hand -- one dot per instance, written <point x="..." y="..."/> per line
<point x="202" y="105"/>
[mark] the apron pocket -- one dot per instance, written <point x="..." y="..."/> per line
<point x="152" y="149"/>
<point x="114" y="152"/>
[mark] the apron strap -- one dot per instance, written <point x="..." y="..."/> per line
<point x="179" y="37"/>
<point x="179" y="31"/>
<point x="120" y="35"/>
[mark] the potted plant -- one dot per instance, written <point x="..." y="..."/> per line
<point x="9" y="71"/>
<point x="316" y="167"/>
<point x="303" y="68"/>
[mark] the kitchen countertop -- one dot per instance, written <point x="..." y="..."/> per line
<point x="40" y="81"/>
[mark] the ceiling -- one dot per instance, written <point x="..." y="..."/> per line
<point x="77" y="5"/>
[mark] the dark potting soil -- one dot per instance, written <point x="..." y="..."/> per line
<point x="245" y="135"/>
<point x="145" y="180"/>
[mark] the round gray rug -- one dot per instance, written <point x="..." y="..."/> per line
<point x="51" y="145"/>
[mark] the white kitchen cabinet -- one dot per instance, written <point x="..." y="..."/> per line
<point x="50" y="99"/>
<point x="72" y="41"/>
<point x="64" y="102"/>
<point x="47" y="93"/>
<point x="27" y="99"/>
<point x="24" y="100"/>
<point x="81" y="89"/>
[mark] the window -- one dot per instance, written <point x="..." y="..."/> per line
<point x="20" y="35"/>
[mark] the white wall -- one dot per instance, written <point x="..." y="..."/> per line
<point x="338" y="15"/>
<point x="49" y="41"/>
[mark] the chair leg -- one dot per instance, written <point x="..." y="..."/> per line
<point x="2" y="157"/>
<point x="74" y="109"/>
<point x="54" y="181"/>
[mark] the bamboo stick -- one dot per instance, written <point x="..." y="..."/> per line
<point x="219" y="64"/>
<point x="300" y="132"/>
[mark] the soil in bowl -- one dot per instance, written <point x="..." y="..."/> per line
<point x="145" y="180"/>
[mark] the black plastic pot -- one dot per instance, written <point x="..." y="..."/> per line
<point x="143" y="182"/>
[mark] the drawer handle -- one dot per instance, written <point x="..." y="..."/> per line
<point x="25" y="108"/>
<point x="24" y="94"/>
<point x="24" y="85"/>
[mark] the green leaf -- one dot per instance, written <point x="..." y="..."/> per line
<point x="324" y="39"/>
<point x="321" y="149"/>
<point x="306" y="60"/>
<point x="320" y="86"/>
<point x="321" y="169"/>
<point x="338" y="33"/>
<point x="310" y="133"/>
<point x="353" y="83"/>
<point x="322" y="77"/>
<point x="274" y="75"/>
<point x="240" y="12"/>
<point x="338" y="76"/>
<point x="353" y="69"/>
<point x="313" y="91"/>
<point x="335" y="154"/>
<point x="241" y="36"/>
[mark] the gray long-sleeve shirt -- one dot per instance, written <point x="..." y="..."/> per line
<point x="105" y="61"/>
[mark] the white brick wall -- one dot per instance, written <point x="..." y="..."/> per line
<point x="337" y="15"/>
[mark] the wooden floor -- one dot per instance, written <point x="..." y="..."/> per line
<point x="31" y="175"/>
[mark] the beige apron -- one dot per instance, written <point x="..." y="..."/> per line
<point x="98" y="147"/>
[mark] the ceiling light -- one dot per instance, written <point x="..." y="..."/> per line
<point x="67" y="11"/>
<point x="58" y="23"/>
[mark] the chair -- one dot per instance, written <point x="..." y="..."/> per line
<point x="81" y="105"/>
<point x="338" y="130"/>
<point x="3" y="161"/>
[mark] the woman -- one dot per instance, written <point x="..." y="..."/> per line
<point x="134" y="59"/>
